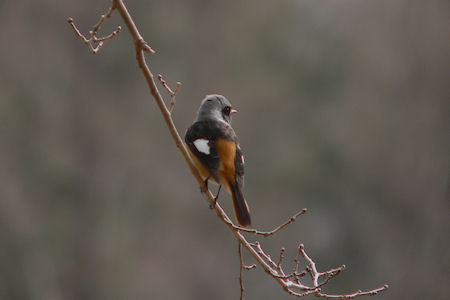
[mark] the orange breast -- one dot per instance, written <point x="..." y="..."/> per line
<point x="227" y="170"/>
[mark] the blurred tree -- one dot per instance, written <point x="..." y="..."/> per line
<point x="343" y="109"/>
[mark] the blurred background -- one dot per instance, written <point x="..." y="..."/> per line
<point x="343" y="109"/>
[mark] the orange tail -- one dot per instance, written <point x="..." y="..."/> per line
<point x="240" y="206"/>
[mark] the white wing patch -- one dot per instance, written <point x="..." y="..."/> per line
<point x="202" y="146"/>
<point x="242" y="156"/>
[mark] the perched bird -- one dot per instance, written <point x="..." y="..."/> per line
<point x="215" y="151"/>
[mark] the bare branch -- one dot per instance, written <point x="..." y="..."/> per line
<point x="355" y="294"/>
<point x="266" y="257"/>
<point x="280" y="260"/>
<point x="170" y="91"/>
<point x="330" y="274"/>
<point x="311" y="266"/>
<point x="291" y="283"/>
<point x="241" y="267"/>
<point x="273" y="231"/>
<point x="93" y="39"/>
<point x="296" y="263"/>
<point x="97" y="26"/>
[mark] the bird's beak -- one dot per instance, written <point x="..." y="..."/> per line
<point x="233" y="111"/>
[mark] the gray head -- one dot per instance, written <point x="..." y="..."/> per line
<point x="215" y="107"/>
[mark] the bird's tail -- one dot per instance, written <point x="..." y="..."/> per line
<point x="240" y="206"/>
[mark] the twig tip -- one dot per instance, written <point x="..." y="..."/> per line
<point x="149" y="49"/>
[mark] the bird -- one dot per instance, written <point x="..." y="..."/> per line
<point x="214" y="149"/>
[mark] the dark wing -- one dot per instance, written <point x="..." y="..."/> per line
<point x="204" y="130"/>
<point x="239" y="164"/>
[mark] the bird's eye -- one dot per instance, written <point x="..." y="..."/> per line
<point x="227" y="110"/>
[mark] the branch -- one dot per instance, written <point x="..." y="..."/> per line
<point x="172" y="93"/>
<point x="273" y="231"/>
<point x="291" y="283"/>
<point x="242" y="267"/>
<point x="93" y="33"/>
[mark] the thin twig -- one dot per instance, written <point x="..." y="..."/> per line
<point x="311" y="266"/>
<point x="171" y="92"/>
<point x="241" y="264"/>
<point x="330" y="274"/>
<point x="266" y="257"/>
<point x="300" y="295"/>
<point x="97" y="26"/>
<point x="280" y="260"/>
<point x="273" y="231"/>
<point x="358" y="293"/>
<point x="93" y="33"/>
<point x="296" y="263"/>
<point x="292" y="275"/>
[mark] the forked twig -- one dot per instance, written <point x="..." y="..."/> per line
<point x="171" y="92"/>
<point x="312" y="270"/>
<point x="93" y="39"/>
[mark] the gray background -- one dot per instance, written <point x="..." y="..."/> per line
<point x="343" y="109"/>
